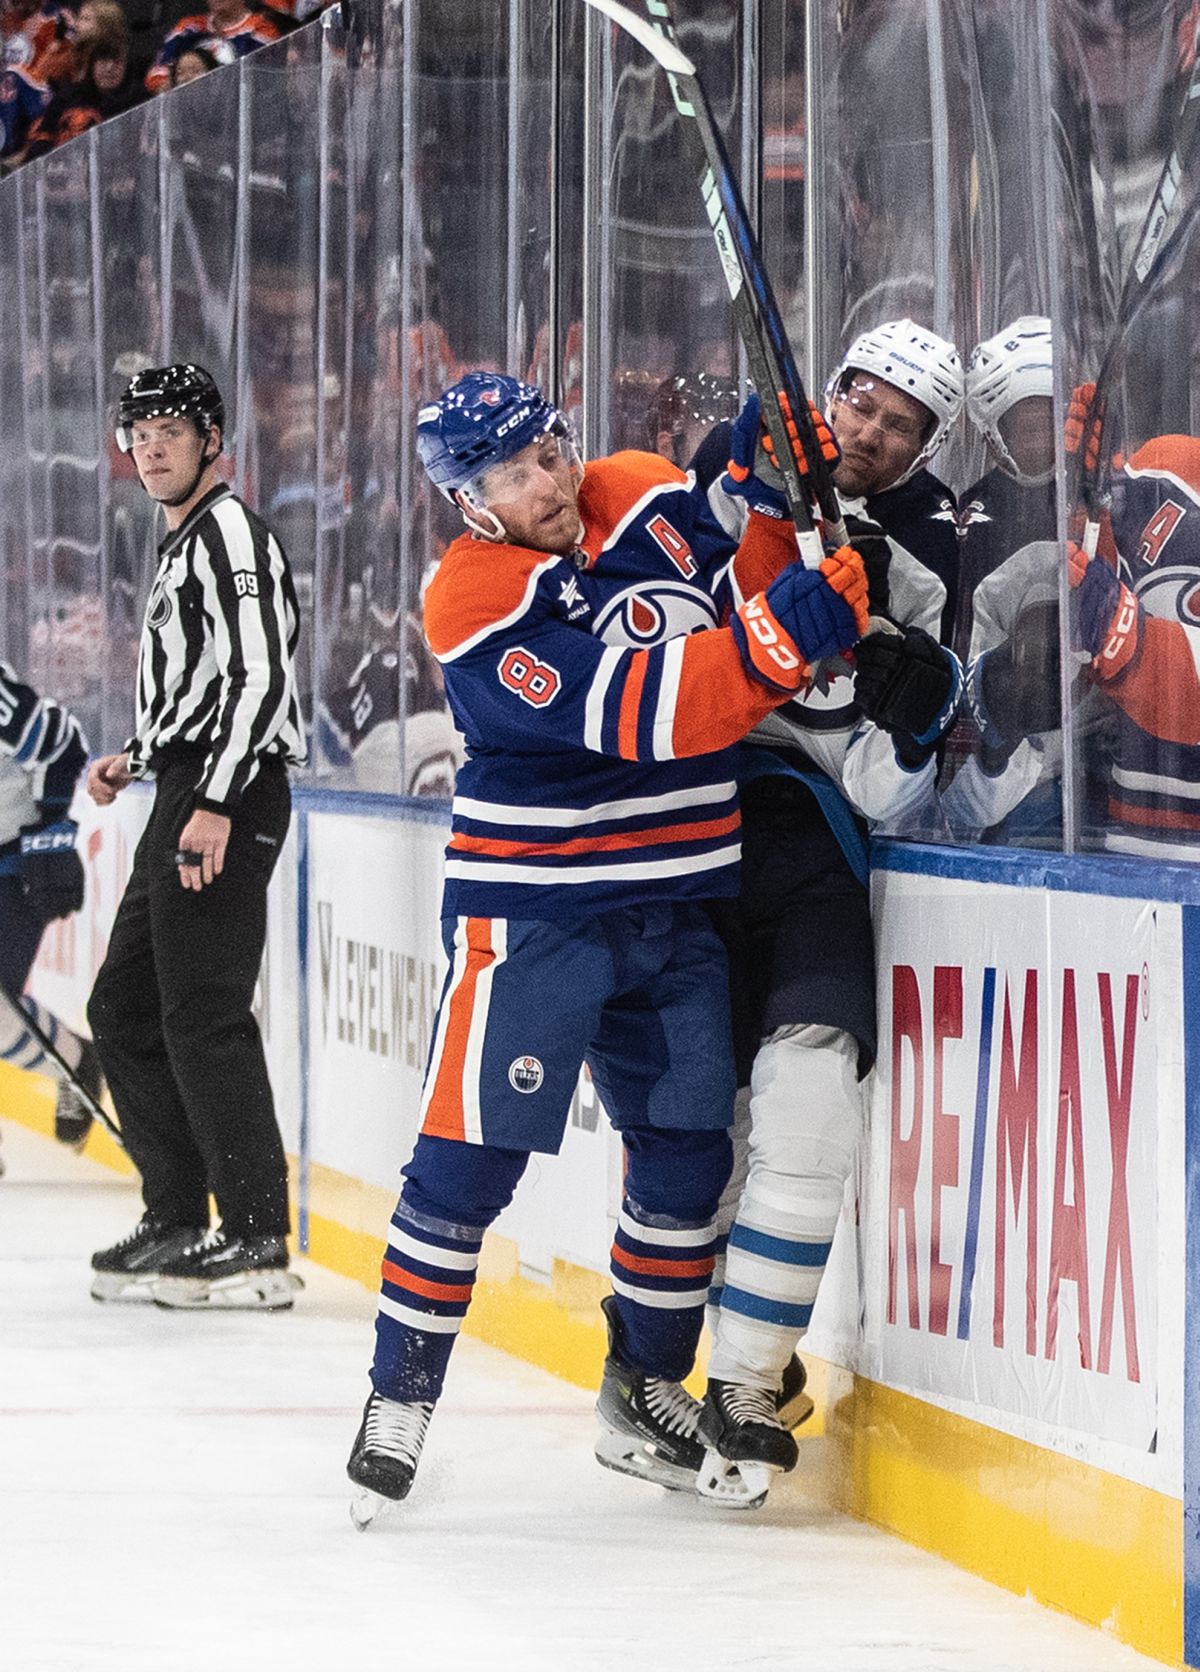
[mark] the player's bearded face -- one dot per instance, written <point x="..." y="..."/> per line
<point x="535" y="494"/>
<point x="880" y="430"/>
<point x="167" y="453"/>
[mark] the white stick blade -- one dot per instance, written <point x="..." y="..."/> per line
<point x="656" y="44"/>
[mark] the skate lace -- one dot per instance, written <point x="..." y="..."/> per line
<point x="672" y="1406"/>
<point x="143" y="1229"/>
<point x="214" y="1237"/>
<point x="746" y="1404"/>
<point x="396" y="1429"/>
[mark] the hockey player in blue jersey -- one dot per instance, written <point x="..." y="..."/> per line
<point x="604" y="644"/>
<point x="42" y="752"/>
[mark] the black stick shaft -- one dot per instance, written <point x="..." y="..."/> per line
<point x="31" y="1024"/>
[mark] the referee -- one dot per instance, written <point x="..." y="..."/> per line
<point x="217" y="723"/>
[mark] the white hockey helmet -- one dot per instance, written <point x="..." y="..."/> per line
<point x="1011" y="366"/>
<point x="916" y="361"/>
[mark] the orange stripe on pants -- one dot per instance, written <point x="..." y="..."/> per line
<point x="444" y="1117"/>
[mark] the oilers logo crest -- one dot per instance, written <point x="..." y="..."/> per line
<point x="652" y="611"/>
<point x="1171" y="595"/>
<point x="525" y="1074"/>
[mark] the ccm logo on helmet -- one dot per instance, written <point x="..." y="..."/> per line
<point x="518" y="417"/>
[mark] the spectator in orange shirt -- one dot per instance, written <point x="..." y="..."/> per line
<point x="106" y="88"/>
<point x="66" y="57"/>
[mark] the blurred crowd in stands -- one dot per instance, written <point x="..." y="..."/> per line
<point x="64" y="69"/>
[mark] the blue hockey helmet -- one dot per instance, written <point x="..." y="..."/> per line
<point x="480" y="421"/>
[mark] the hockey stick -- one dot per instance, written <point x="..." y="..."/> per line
<point x="1153" y="256"/>
<point x="773" y="368"/>
<point x="66" y="1072"/>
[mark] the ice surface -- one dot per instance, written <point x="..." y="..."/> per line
<point x="172" y="1499"/>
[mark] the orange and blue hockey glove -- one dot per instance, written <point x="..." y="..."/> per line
<point x="753" y="472"/>
<point x="1106" y="616"/>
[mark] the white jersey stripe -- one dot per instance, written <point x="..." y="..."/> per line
<point x="593" y="726"/>
<point x="477" y="1034"/>
<point x="1153" y="783"/>
<point x="639" y="806"/>
<point x="668" y="699"/>
<point x="641" y="870"/>
<point x="458" y="970"/>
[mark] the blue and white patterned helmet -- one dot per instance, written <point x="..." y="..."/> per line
<point x="480" y="421"/>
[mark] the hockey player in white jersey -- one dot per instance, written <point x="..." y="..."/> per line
<point x="42" y="753"/>
<point x="1010" y="401"/>
<point x="799" y="935"/>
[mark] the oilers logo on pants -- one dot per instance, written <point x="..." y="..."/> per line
<point x="640" y="993"/>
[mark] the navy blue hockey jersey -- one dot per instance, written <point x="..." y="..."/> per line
<point x="599" y="696"/>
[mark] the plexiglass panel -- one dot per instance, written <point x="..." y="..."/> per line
<point x="344" y="222"/>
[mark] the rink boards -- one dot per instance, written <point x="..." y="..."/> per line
<point x="1005" y="1328"/>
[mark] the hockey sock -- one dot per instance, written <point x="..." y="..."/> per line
<point x="806" y="1116"/>
<point x="452" y="1193"/>
<point x="728" y="1206"/>
<point x="662" y="1260"/>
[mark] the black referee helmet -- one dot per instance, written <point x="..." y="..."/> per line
<point x="181" y="391"/>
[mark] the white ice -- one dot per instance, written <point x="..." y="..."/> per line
<point x="172" y="1499"/>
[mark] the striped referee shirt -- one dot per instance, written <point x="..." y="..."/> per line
<point x="216" y="664"/>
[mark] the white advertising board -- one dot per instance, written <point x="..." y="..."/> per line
<point x="376" y="968"/>
<point x="1022" y="1216"/>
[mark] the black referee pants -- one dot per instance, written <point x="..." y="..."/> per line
<point x="171" y="1017"/>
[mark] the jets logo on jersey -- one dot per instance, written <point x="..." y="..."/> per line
<point x="648" y="613"/>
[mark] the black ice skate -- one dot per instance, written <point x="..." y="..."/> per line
<point x="742" y="1427"/>
<point x="792" y="1404"/>
<point x="129" y="1269"/>
<point x="219" y="1272"/>
<point x="72" y="1117"/>
<point x="648" y="1426"/>
<point x="387" y="1449"/>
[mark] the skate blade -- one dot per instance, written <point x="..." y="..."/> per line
<point x="367" y="1506"/>
<point x="118" y="1285"/>
<point x="249" y="1291"/>
<point x="735" y="1485"/>
<point x="627" y="1455"/>
<point x="797" y="1411"/>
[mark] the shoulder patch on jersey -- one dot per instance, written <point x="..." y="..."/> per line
<point x="613" y="486"/>
<point x="479" y="588"/>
